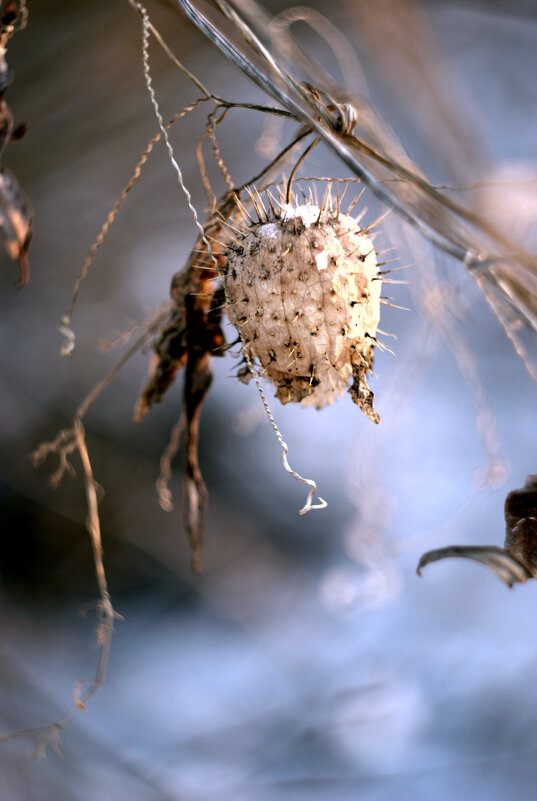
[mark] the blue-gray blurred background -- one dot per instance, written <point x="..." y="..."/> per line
<point x="308" y="662"/>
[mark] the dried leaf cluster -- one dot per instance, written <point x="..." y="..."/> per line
<point x="16" y="214"/>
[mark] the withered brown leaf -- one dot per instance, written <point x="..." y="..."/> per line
<point x="517" y="560"/>
<point x="16" y="222"/>
<point x="189" y="337"/>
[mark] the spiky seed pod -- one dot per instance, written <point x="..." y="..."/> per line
<point x="305" y="290"/>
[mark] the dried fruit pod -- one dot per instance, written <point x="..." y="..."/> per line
<point x="304" y="288"/>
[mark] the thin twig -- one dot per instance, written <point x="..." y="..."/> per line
<point x="302" y="158"/>
<point x="69" y="343"/>
<point x="67" y="442"/>
<point x="92" y="396"/>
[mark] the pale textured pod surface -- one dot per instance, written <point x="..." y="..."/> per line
<point x="305" y="292"/>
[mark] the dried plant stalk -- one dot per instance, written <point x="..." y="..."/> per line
<point x="69" y="441"/>
<point x="16" y="214"/>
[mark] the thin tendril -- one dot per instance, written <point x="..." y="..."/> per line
<point x="69" y="343"/>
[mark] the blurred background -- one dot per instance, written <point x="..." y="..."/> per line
<point x="308" y="661"/>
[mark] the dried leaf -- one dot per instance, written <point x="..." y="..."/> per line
<point x="504" y="564"/>
<point x="6" y="125"/>
<point x="16" y="222"/>
<point x="359" y="390"/>
<point x="521" y="524"/>
<point x="517" y="560"/>
<point x="190" y="335"/>
<point x="10" y="13"/>
<point x="198" y="379"/>
<point x="197" y="282"/>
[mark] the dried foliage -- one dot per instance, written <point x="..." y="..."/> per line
<point x="16" y="215"/>
<point x="517" y="560"/>
<point x="68" y="442"/>
<point x="187" y="332"/>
